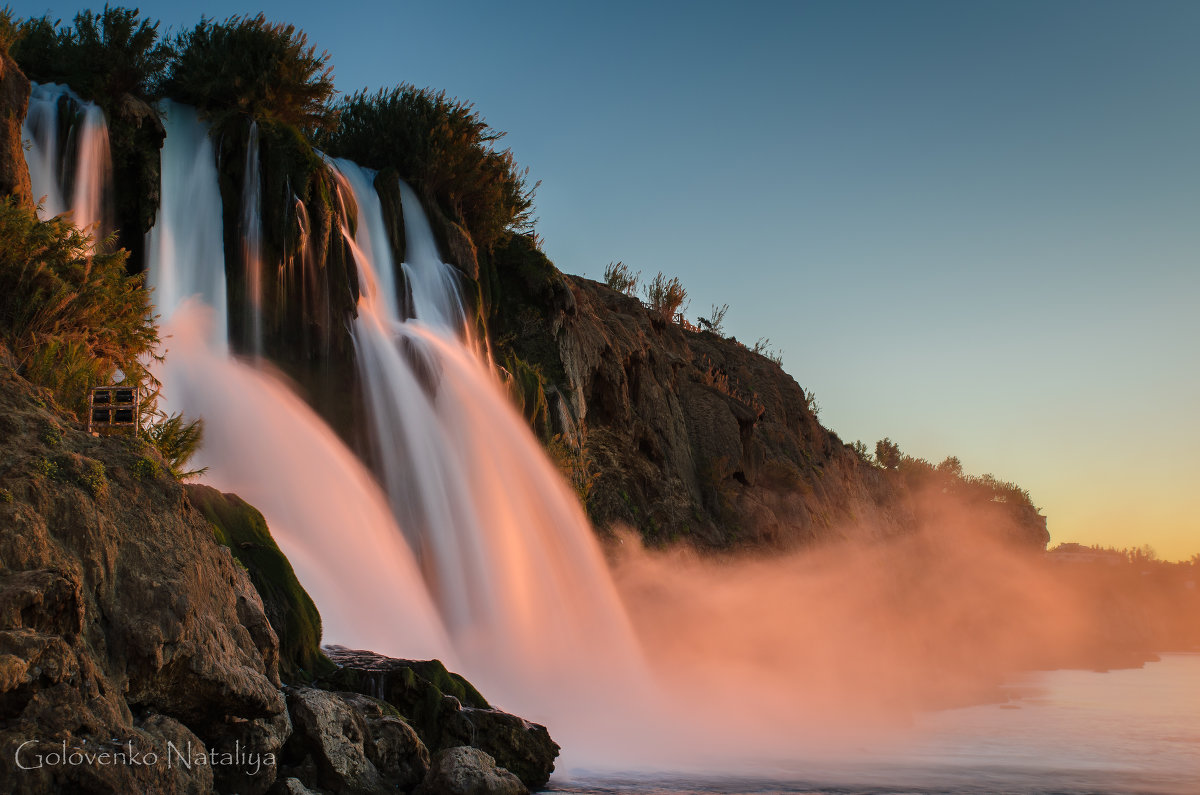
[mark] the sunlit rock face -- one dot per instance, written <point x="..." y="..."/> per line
<point x="122" y="618"/>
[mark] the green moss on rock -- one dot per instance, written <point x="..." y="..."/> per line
<point x="294" y="617"/>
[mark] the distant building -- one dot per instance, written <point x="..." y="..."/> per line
<point x="1078" y="553"/>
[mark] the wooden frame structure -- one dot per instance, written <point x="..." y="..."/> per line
<point x="115" y="409"/>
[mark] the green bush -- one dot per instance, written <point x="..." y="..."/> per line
<point x="51" y="435"/>
<point x="887" y="453"/>
<point x="948" y="477"/>
<point x="95" y="478"/>
<point x="621" y="278"/>
<point x="251" y="67"/>
<point x="102" y="57"/>
<point x="146" y="469"/>
<point x="444" y="148"/>
<point x="666" y="297"/>
<point x="69" y="312"/>
<point x="177" y="441"/>
<point x="47" y="468"/>
<point x="6" y="496"/>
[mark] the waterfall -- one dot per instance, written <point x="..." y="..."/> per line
<point x="252" y="243"/>
<point x="74" y="173"/>
<point x="502" y="541"/>
<point x="372" y="239"/>
<point x="187" y="258"/>
<point x="262" y="441"/>
<point x="436" y="298"/>
<point x="323" y="507"/>
<point x="474" y="550"/>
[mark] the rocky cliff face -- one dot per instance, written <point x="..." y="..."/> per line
<point x="683" y="434"/>
<point x="122" y="622"/>
<point x="14" y="102"/>
<point x="133" y="644"/>
<point x="694" y="436"/>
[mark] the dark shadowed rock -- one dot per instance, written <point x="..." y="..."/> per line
<point x="446" y="711"/>
<point x="395" y="747"/>
<point x="350" y="743"/>
<point x="335" y="737"/>
<point x="14" y="102"/>
<point x="469" y="771"/>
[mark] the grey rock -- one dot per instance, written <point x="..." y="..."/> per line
<point x="469" y="771"/>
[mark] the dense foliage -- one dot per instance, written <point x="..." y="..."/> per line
<point x="177" y="440"/>
<point x="622" y="278"/>
<point x="102" y="57"/>
<point x="249" y="66"/>
<point x="10" y="31"/>
<point x="69" y="312"/>
<point x="947" y="477"/>
<point x="445" y="149"/>
<point x="666" y="297"/>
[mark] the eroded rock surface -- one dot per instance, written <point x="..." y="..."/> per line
<point x="446" y="711"/>
<point x="122" y="622"/>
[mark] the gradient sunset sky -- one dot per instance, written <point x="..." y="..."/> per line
<point x="973" y="227"/>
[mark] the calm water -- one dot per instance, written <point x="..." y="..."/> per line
<point x="1129" y="731"/>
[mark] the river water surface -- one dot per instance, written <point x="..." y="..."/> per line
<point x="1124" y="731"/>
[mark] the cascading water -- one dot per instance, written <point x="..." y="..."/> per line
<point x="751" y="647"/>
<point x="323" y="507"/>
<point x="503" y="543"/>
<point x="372" y="240"/>
<point x="184" y="254"/>
<point x="73" y="175"/>
<point x="527" y="607"/>
<point x="436" y="297"/>
<point x="252" y="243"/>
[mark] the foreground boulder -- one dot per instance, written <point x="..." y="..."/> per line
<point x="352" y="743"/>
<point x="446" y="711"/>
<point x="469" y="771"/>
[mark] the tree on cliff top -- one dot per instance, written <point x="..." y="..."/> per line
<point x="249" y="66"/>
<point x="887" y="453"/>
<point x="10" y="31"/>
<point x="102" y="57"/>
<point x="444" y="148"/>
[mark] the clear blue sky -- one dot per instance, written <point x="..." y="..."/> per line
<point x="973" y="227"/>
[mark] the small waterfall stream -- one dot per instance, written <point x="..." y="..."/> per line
<point x="252" y="243"/>
<point x="184" y="255"/>
<point x="436" y="295"/>
<point x="72" y="173"/>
